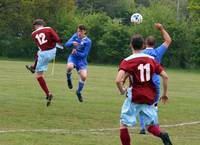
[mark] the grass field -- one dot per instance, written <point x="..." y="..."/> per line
<point x="23" y="111"/>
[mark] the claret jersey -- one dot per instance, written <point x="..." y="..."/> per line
<point x="141" y="68"/>
<point x="45" y="38"/>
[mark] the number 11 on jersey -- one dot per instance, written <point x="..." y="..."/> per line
<point x="144" y="72"/>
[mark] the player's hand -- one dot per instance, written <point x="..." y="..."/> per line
<point x="164" y="99"/>
<point x="159" y="26"/>
<point x="123" y="91"/>
<point x="75" y="43"/>
<point x="73" y="51"/>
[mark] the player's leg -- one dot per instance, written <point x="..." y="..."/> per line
<point x="70" y="66"/>
<point x="81" y="83"/>
<point x="124" y="135"/>
<point x="150" y="119"/>
<point x="142" y="125"/>
<point x="127" y="118"/>
<point x="156" y="131"/>
<point x="42" y="82"/>
<point x="31" y="68"/>
<point x="42" y="65"/>
<point x="43" y="85"/>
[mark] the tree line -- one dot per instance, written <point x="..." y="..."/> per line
<point x="108" y="24"/>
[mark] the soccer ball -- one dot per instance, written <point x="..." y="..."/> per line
<point x="136" y="18"/>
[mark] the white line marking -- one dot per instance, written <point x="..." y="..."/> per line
<point x="66" y="131"/>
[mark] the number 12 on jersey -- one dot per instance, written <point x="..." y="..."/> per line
<point x="41" y="38"/>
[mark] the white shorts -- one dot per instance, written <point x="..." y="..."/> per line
<point x="131" y="110"/>
<point x="44" y="57"/>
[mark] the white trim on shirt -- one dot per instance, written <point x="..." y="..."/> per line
<point x="137" y="55"/>
<point x="40" y="29"/>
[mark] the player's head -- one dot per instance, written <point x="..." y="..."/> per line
<point x="150" y="41"/>
<point x="81" y="30"/>
<point x="38" y="23"/>
<point x="137" y="42"/>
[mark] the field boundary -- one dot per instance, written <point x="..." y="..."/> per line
<point x="67" y="131"/>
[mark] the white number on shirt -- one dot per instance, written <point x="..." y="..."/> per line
<point x="142" y="69"/>
<point x="41" y="38"/>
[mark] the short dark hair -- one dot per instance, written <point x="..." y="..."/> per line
<point x="150" y="41"/>
<point x="82" y="27"/>
<point x="137" y="42"/>
<point x="39" y="22"/>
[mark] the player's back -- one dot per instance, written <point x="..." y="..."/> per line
<point x="141" y="68"/>
<point x="45" y="38"/>
<point x="157" y="53"/>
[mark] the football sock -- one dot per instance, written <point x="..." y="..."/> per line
<point x="154" y="129"/>
<point x="80" y="86"/>
<point x="43" y="85"/>
<point x="142" y="125"/>
<point x="124" y="136"/>
<point x="69" y="75"/>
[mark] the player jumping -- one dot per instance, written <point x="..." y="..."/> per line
<point x="81" y="45"/>
<point x="45" y="39"/>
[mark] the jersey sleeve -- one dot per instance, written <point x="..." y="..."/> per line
<point x="123" y="65"/>
<point x="69" y="43"/>
<point x="55" y="36"/>
<point x="161" y="51"/>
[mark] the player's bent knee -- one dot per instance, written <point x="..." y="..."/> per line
<point x="39" y="74"/>
<point x="122" y="126"/>
<point x="83" y="78"/>
<point x="70" y="67"/>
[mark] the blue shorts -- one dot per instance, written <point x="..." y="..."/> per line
<point x="44" y="57"/>
<point x="78" y="63"/>
<point x="131" y="110"/>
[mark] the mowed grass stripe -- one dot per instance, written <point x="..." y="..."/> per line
<point x="22" y="106"/>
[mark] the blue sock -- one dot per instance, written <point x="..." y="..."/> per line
<point x="69" y="75"/>
<point x="142" y="125"/>
<point x="80" y="86"/>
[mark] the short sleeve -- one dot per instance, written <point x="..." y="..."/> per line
<point x="160" y="51"/>
<point x="123" y="65"/>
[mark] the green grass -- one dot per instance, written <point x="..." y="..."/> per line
<point x="22" y="106"/>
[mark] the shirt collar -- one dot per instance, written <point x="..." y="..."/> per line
<point x="149" y="48"/>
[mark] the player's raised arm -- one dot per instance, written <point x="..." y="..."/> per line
<point x="166" y="37"/>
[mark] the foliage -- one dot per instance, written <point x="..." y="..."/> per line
<point x="108" y="26"/>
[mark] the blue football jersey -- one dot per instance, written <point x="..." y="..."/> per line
<point x="82" y="49"/>
<point x="157" y="53"/>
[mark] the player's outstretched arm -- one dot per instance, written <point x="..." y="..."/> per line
<point x="166" y="37"/>
<point x="164" y="97"/>
<point x="70" y="42"/>
<point x="59" y="45"/>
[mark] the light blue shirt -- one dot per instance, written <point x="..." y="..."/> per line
<point x="157" y="53"/>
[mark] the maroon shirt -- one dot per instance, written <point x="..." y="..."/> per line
<point x="141" y="68"/>
<point x="45" y="38"/>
